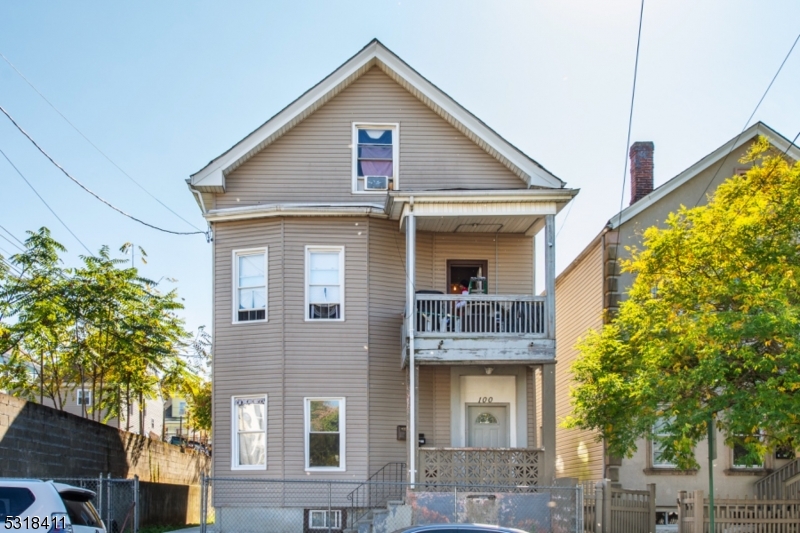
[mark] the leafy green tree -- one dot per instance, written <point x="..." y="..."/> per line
<point x="199" y="408"/>
<point x="99" y="326"/>
<point x="710" y="328"/>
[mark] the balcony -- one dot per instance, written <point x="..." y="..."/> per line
<point x="479" y="329"/>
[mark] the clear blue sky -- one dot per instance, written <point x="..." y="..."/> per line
<point x="163" y="87"/>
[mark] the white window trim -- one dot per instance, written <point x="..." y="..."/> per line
<point x="322" y="248"/>
<point x="235" y="434"/>
<point x="395" y="153"/>
<point x="342" y="433"/>
<point x="758" y="466"/>
<point x="235" y="284"/>
<point x="81" y="394"/>
<point x="335" y="512"/>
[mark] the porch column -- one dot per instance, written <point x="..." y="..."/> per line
<point x="549" y="370"/>
<point x="548" y="438"/>
<point x="411" y="234"/>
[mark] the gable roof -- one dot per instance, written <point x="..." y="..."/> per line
<point x="211" y="178"/>
<point x="759" y="128"/>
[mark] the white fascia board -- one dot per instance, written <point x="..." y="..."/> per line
<point x="759" y="128"/>
<point x="397" y="202"/>
<point x="213" y="174"/>
<point x="294" y="210"/>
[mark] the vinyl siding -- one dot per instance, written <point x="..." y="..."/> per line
<point x="434" y="405"/>
<point x="313" y="161"/>
<point x="533" y="441"/>
<point x="387" y="381"/>
<point x="288" y="358"/>
<point x="579" y="300"/>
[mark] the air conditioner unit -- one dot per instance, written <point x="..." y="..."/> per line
<point x="376" y="183"/>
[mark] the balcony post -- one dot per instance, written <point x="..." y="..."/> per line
<point x="411" y="234"/>
<point x="550" y="274"/>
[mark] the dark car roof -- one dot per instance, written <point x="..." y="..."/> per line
<point x="432" y="528"/>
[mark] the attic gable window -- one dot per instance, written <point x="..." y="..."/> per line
<point x="375" y="148"/>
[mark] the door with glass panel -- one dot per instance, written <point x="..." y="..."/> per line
<point x="487" y="426"/>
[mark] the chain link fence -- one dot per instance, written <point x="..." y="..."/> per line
<point x="116" y="500"/>
<point x="239" y="505"/>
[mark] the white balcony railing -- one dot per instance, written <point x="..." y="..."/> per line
<point x="477" y="315"/>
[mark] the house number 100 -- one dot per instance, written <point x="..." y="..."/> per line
<point x="485" y="399"/>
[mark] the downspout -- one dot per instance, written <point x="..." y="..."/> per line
<point x="412" y="367"/>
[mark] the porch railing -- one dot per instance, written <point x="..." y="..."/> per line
<point x="457" y="315"/>
<point x="480" y="466"/>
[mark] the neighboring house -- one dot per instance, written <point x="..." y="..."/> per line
<point x="371" y="190"/>
<point x="590" y="290"/>
<point x="175" y="417"/>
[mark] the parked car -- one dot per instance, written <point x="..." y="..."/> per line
<point x="81" y="511"/>
<point x="32" y="505"/>
<point x="459" y="528"/>
<point x="177" y="441"/>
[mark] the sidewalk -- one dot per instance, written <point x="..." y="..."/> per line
<point x="195" y="529"/>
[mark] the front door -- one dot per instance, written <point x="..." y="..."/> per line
<point x="487" y="426"/>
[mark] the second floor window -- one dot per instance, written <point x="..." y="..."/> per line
<point x="375" y="157"/>
<point x="250" y="279"/>
<point x="324" y="283"/>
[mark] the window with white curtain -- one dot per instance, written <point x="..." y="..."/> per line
<point x="324" y="283"/>
<point x="249" y="433"/>
<point x="250" y="285"/>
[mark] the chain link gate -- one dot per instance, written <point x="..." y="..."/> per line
<point x="116" y="500"/>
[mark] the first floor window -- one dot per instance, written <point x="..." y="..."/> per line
<point x="325" y="437"/>
<point x="84" y="397"/>
<point x="324" y="283"/>
<point x="741" y="456"/>
<point x="250" y="279"/>
<point x="657" y="458"/>
<point x="324" y="519"/>
<point x="249" y="432"/>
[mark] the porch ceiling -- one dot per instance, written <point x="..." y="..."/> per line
<point x="474" y="224"/>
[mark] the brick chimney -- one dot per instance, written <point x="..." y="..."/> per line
<point x="641" y="154"/>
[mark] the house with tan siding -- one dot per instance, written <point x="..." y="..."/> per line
<point x="589" y="291"/>
<point x="343" y="342"/>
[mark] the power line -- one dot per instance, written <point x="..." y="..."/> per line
<point x="12" y="235"/>
<point x="21" y="75"/>
<point x="82" y="186"/>
<point x="12" y="243"/>
<point x="44" y="202"/>
<point x="630" y="124"/>
<point x="735" y="142"/>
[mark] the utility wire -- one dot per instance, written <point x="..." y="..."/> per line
<point x="82" y="186"/>
<point x="736" y="141"/>
<point x="21" y="75"/>
<point x="12" y="236"/>
<point x="791" y="143"/>
<point x="43" y="201"/>
<point x="12" y="243"/>
<point x="630" y="124"/>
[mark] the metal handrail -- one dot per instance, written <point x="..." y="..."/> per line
<point x="380" y="488"/>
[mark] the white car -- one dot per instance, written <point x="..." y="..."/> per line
<point x="32" y="505"/>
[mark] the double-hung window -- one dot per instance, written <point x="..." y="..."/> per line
<point x="249" y="450"/>
<point x="84" y="397"/>
<point x="325" y="434"/>
<point x="375" y="150"/>
<point x="250" y="285"/>
<point x="324" y="283"/>
<point x="657" y="448"/>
